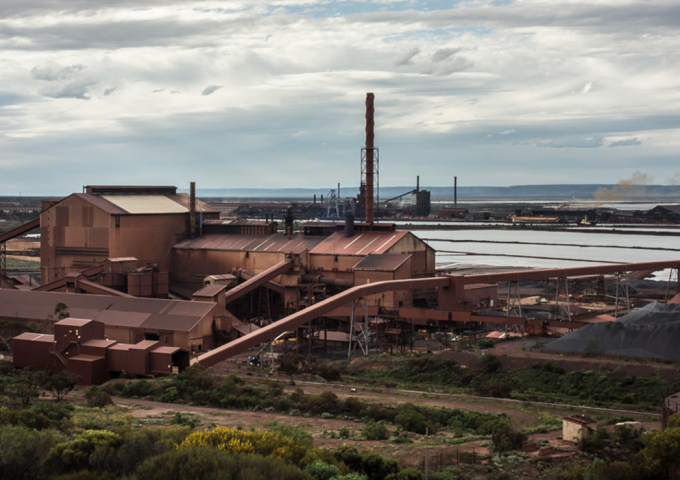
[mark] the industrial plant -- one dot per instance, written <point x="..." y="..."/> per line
<point x="154" y="280"/>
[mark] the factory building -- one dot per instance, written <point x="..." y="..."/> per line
<point x="187" y="325"/>
<point x="81" y="347"/>
<point x="85" y="229"/>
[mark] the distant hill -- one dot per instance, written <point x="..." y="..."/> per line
<point x="516" y="192"/>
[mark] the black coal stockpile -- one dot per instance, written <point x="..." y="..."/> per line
<point x="652" y="331"/>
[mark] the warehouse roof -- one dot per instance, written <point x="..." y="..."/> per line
<point x="382" y="263"/>
<point x="35" y="337"/>
<point x="210" y="290"/>
<point x="141" y="204"/>
<point x="277" y="242"/>
<point x="172" y="315"/>
<point x="361" y="243"/>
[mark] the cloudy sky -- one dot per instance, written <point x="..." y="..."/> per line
<point x="259" y="93"/>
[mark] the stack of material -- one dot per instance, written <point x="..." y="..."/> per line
<point x="652" y="331"/>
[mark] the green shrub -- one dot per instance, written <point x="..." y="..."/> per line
<point x="322" y="471"/>
<point x="490" y="363"/>
<point x="375" y="431"/>
<point x="593" y="442"/>
<point x="377" y="467"/>
<point x="406" y="474"/>
<point x="297" y="434"/>
<point x="137" y="389"/>
<point x="504" y="438"/>
<point x="213" y="464"/>
<point x="91" y="450"/>
<point x="412" y="420"/>
<point x="26" y="418"/>
<point x="185" y="420"/>
<point x="23" y="450"/>
<point x="97" y="397"/>
<point x="486" y="343"/>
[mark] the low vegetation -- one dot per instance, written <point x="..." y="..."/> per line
<point x="198" y="386"/>
<point x="540" y="381"/>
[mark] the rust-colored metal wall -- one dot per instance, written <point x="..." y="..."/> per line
<point x="29" y="353"/>
<point x="190" y="267"/>
<point x="88" y="369"/>
<point x="73" y="232"/>
<point x="397" y="298"/>
<point x="138" y="358"/>
<point x="422" y="255"/>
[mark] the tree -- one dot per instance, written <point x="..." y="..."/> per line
<point x="22" y="391"/>
<point x="61" y="311"/>
<point x="59" y="383"/>
<point x="22" y="451"/>
<point x="289" y="363"/>
<point x="661" y="455"/>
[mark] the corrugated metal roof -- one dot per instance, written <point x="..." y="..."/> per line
<point x="74" y="322"/>
<point x="35" y="337"/>
<point x="144" y="345"/>
<point x="361" y="243"/>
<point x="161" y="314"/>
<point x="99" y="202"/>
<point x="145" y="204"/>
<point x="246" y="328"/>
<point x="85" y="358"/>
<point x="210" y="290"/>
<point x="387" y="262"/>
<point x="277" y="242"/>
<point x="166" y="350"/>
<point x="184" y="198"/>
<point x="98" y="342"/>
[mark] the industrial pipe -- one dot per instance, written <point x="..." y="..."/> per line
<point x="332" y="282"/>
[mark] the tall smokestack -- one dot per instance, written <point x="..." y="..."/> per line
<point x="455" y="192"/>
<point x="192" y="210"/>
<point x="418" y="183"/>
<point x="370" y="134"/>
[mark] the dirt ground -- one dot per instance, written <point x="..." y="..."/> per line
<point x="24" y="245"/>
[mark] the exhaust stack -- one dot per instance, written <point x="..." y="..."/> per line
<point x="192" y="210"/>
<point x="455" y="192"/>
<point x="370" y="134"/>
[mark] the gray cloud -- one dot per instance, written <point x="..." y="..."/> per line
<point x="626" y="143"/>
<point x="444" y="53"/>
<point x="77" y="89"/>
<point x="210" y="89"/>
<point x="457" y="64"/>
<point x="50" y="75"/>
<point x="406" y="58"/>
<point x="573" y="142"/>
<point x="109" y="91"/>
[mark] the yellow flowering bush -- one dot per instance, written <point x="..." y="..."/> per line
<point x="268" y="444"/>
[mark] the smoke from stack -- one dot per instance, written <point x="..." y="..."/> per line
<point x="627" y="189"/>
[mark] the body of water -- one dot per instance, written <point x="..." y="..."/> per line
<point x="547" y="249"/>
